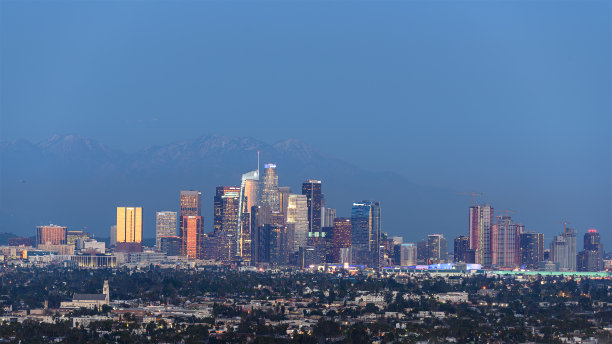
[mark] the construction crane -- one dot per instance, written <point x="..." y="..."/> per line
<point x="473" y="194"/>
<point x="507" y="211"/>
<point x="565" y="223"/>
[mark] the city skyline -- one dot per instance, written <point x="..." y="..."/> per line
<point x="493" y="240"/>
<point x="306" y="171"/>
<point x="411" y="95"/>
<point x="272" y="166"/>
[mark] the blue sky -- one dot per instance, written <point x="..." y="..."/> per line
<point x="511" y="98"/>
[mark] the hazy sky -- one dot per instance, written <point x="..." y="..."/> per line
<point x="511" y="98"/>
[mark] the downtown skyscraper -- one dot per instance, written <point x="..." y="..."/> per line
<point x="563" y="250"/>
<point x="436" y="248"/>
<point x="591" y="257"/>
<point x="269" y="195"/>
<point x="165" y="226"/>
<point x="297" y="220"/>
<point x="365" y="232"/>
<point x="191" y="222"/>
<point x="531" y="250"/>
<point x="249" y="190"/>
<point x="460" y="246"/>
<point x="226" y="212"/>
<point x="312" y="190"/>
<point x="129" y="229"/>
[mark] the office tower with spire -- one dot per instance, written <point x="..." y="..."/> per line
<point x="480" y="222"/>
<point x="191" y="229"/>
<point x="314" y="197"/>
<point x="249" y="189"/>
<point x="165" y="226"/>
<point x="365" y="232"/>
<point x="129" y="229"/>
<point x="531" y="250"/>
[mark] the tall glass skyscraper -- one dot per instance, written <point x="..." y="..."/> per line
<point x="341" y="236"/>
<point x="297" y="217"/>
<point x="191" y="222"/>
<point x="226" y="210"/>
<point x="312" y="190"/>
<point x="192" y="236"/>
<point x="269" y="188"/>
<point x="436" y="248"/>
<point x="591" y="258"/>
<point x="461" y="245"/>
<point x="249" y="189"/>
<point x="365" y="232"/>
<point x="570" y="237"/>
<point x="531" y="249"/>
<point x="165" y="225"/>
<point x="563" y="250"/>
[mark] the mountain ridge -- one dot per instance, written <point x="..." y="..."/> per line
<point x="78" y="181"/>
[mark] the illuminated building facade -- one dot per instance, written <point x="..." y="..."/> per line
<point x="165" y="225"/>
<point x="51" y="234"/>
<point x="73" y="236"/>
<point x="129" y="229"/>
<point x="365" y="233"/>
<point x="408" y="254"/>
<point x="591" y="257"/>
<point x="269" y="188"/>
<point x="531" y="250"/>
<point x="480" y="222"/>
<point x="192" y="236"/>
<point x="191" y="203"/>
<point x="249" y="189"/>
<point x="191" y="224"/>
<point x="436" y="248"/>
<point x="297" y="217"/>
<point x="341" y="236"/>
<point x="226" y="211"/>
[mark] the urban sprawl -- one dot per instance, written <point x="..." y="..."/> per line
<point x="280" y="267"/>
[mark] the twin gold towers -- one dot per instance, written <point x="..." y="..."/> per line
<point x="129" y="226"/>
